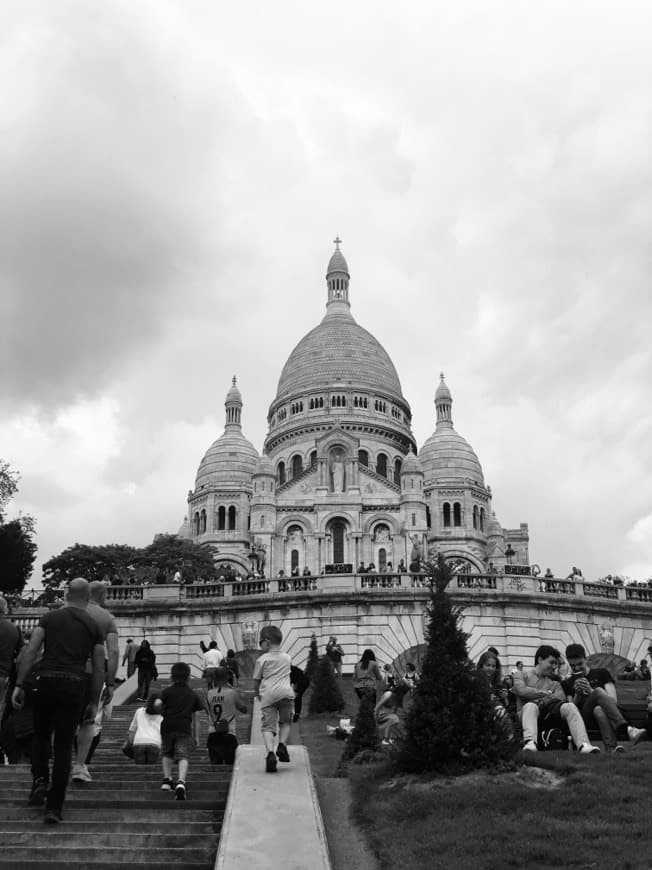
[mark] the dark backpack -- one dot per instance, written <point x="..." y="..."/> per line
<point x="553" y="739"/>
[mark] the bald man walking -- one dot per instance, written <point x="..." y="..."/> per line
<point x="68" y="637"/>
<point x="109" y="632"/>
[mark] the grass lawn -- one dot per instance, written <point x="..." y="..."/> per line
<point x="585" y="812"/>
<point x="559" y="809"/>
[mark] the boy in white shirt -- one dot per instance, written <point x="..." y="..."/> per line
<point x="274" y="689"/>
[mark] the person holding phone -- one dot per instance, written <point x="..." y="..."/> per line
<point x="593" y="692"/>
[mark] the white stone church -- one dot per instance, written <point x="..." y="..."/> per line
<point x="341" y="483"/>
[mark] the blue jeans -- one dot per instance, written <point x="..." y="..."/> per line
<point x="57" y="710"/>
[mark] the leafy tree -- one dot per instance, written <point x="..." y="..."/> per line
<point x="168" y="554"/>
<point x="313" y="658"/>
<point x="17" y="554"/>
<point x="450" y="724"/>
<point x="17" y="547"/>
<point x="365" y="734"/>
<point x="122" y="564"/>
<point x="8" y="486"/>
<point x="115" y="561"/>
<point x="326" y="696"/>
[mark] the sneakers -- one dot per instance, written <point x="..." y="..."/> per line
<point x="635" y="734"/>
<point x="180" y="791"/>
<point x="52" y="816"/>
<point x="282" y="752"/>
<point x="587" y="749"/>
<point x="530" y="746"/>
<point x="38" y="793"/>
<point x="617" y="749"/>
<point x="80" y="773"/>
<point x="270" y="764"/>
<point x="166" y="785"/>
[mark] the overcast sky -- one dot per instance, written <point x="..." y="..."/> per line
<point x="172" y="176"/>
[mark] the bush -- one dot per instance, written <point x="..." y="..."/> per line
<point x="450" y="723"/>
<point x="364" y="735"/>
<point x="313" y="658"/>
<point x="326" y="696"/>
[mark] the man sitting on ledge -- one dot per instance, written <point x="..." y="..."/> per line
<point x="593" y="692"/>
<point x="540" y="698"/>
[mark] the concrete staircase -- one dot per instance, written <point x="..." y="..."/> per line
<point x="122" y="818"/>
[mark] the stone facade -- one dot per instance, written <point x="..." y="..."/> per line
<point x="340" y="482"/>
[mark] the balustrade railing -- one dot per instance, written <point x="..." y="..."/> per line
<point x="297" y="584"/>
<point x="600" y="590"/>
<point x="124" y="593"/>
<point x="521" y="584"/>
<point x="250" y="587"/>
<point x="205" y="590"/>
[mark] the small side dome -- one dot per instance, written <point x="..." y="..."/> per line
<point x="442" y="390"/>
<point x="411" y="465"/>
<point x="337" y="263"/>
<point x="234" y="394"/>
<point x="264" y="466"/>
<point x="494" y="529"/>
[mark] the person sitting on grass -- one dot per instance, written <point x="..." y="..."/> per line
<point x="221" y="703"/>
<point x="411" y="676"/>
<point x="540" y="700"/>
<point x="274" y="690"/>
<point x="593" y="692"/>
<point x="386" y="713"/>
<point x="489" y="666"/>
<point x="179" y="728"/>
<point x="145" y="731"/>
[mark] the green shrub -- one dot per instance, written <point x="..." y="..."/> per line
<point x="313" y="658"/>
<point x="326" y="696"/>
<point x="450" y="723"/>
<point x="364" y="735"/>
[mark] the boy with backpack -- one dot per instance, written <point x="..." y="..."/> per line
<point x="221" y="703"/>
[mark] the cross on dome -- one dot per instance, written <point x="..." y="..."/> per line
<point x="337" y="241"/>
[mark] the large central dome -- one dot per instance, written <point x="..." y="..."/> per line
<point x="338" y="352"/>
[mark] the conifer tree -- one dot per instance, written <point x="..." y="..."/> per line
<point x="313" y="658"/>
<point x="450" y="724"/>
<point x="326" y="696"/>
<point x="364" y="735"/>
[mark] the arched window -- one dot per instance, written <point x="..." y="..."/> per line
<point x="221" y="518"/>
<point x="363" y="458"/>
<point x="482" y="519"/>
<point x="294" y="560"/>
<point x="382" y="559"/>
<point x="337" y="531"/>
<point x="397" y="470"/>
<point x="297" y="465"/>
<point x="428" y="517"/>
<point x="381" y="465"/>
<point x="457" y="514"/>
<point x="447" y="515"/>
<point x="202" y="522"/>
<point x="313" y="459"/>
<point x="281" y="473"/>
<point x="195" y="523"/>
<point x="414" y="519"/>
<point x="232" y="518"/>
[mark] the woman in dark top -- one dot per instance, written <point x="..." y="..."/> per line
<point x="145" y="662"/>
<point x="366" y="675"/>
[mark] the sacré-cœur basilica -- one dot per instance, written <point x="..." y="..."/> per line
<point x="341" y="482"/>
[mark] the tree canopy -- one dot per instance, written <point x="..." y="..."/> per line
<point x="17" y="547"/>
<point x="122" y="564"/>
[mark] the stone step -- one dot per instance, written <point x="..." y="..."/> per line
<point x="44" y="863"/>
<point x="88" y="818"/>
<point x="58" y="837"/>
<point x="155" y="800"/>
<point x="88" y="856"/>
<point x="220" y="775"/>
